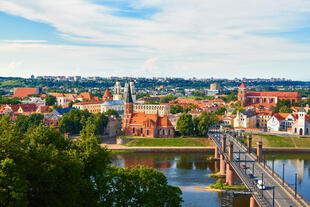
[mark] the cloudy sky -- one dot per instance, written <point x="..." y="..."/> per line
<point x="176" y="38"/>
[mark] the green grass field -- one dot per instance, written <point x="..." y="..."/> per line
<point x="281" y="141"/>
<point x="166" y="142"/>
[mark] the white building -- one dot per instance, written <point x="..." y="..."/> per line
<point x="246" y="119"/>
<point x="302" y="125"/>
<point x="281" y="122"/>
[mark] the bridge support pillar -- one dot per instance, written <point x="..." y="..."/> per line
<point x="216" y="152"/>
<point x="224" y="143"/>
<point x="259" y="151"/>
<point x="231" y="176"/>
<point x="222" y="165"/>
<point x="249" y="143"/>
<point x="253" y="202"/>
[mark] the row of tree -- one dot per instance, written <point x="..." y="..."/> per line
<point x="197" y="126"/>
<point x="42" y="168"/>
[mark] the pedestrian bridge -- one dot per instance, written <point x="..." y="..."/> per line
<point x="240" y="163"/>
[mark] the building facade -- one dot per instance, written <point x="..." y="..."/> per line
<point x="161" y="110"/>
<point x="92" y="107"/>
<point x="265" y="97"/>
<point x="143" y="124"/>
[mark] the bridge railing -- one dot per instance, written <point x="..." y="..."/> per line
<point x="275" y="175"/>
<point x="252" y="187"/>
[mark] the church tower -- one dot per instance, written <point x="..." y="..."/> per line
<point x="301" y="123"/>
<point x="242" y="94"/>
<point x="117" y="95"/>
<point x="133" y="91"/>
<point x="128" y="109"/>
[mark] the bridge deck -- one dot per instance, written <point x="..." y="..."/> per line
<point x="283" y="193"/>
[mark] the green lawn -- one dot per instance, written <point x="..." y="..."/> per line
<point x="302" y="142"/>
<point x="278" y="141"/>
<point x="165" y="142"/>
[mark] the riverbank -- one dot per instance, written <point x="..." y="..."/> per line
<point x="208" y="149"/>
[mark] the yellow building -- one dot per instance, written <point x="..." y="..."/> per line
<point x="214" y="86"/>
<point x="93" y="107"/>
<point x="161" y="110"/>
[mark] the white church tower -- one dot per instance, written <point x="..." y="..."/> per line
<point x="301" y="123"/>
<point x="117" y="95"/>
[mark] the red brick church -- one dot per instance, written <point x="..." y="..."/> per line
<point x="144" y="125"/>
<point x="266" y="98"/>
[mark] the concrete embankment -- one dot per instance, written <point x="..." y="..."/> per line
<point x="208" y="149"/>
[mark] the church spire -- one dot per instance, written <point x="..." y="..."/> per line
<point x="128" y="98"/>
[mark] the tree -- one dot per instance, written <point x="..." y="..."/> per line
<point x="42" y="168"/>
<point x="174" y="109"/>
<point x="111" y="112"/>
<point x="206" y="120"/>
<point x="74" y="121"/>
<point x="285" y="109"/>
<point x="50" y="100"/>
<point x="185" y="124"/>
<point x="231" y="97"/>
<point x="167" y="99"/>
<point x="25" y="122"/>
<point x="220" y="111"/>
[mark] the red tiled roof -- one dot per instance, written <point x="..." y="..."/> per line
<point x="89" y="103"/>
<point x="242" y="85"/>
<point x="85" y="95"/>
<point x="44" y="109"/>
<point x="164" y="122"/>
<point x="107" y="94"/>
<point x="24" y="92"/>
<point x="274" y="94"/>
<point x="26" y="107"/>
<point x="30" y="107"/>
<point x="140" y="117"/>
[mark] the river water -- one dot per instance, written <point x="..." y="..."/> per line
<point x="190" y="171"/>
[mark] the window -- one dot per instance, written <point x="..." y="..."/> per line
<point x="147" y="132"/>
<point x="141" y="130"/>
<point x="133" y="130"/>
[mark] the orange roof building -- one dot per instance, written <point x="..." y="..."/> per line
<point x="144" y="125"/>
<point x="265" y="98"/>
<point x="107" y="96"/>
<point x="25" y="92"/>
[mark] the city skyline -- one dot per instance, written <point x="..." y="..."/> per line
<point x="146" y="38"/>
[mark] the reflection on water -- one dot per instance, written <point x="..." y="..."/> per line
<point x="186" y="171"/>
<point x="293" y="164"/>
<point x="189" y="170"/>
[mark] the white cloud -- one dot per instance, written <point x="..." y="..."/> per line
<point x="25" y="41"/>
<point x="218" y="36"/>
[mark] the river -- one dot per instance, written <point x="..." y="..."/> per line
<point x="190" y="170"/>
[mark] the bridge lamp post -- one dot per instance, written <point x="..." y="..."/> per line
<point x="295" y="185"/>
<point x="283" y="174"/>
<point x="253" y="169"/>
<point x="272" y="164"/>
<point x="263" y="184"/>
<point x="239" y="157"/>
<point x="273" y="196"/>
<point x="264" y="159"/>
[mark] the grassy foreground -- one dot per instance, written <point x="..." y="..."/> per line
<point x="281" y="141"/>
<point x="170" y="142"/>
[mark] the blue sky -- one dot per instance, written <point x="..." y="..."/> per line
<point x="176" y="38"/>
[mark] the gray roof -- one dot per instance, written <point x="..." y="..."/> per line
<point x="113" y="103"/>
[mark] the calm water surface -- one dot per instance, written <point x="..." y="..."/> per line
<point x="190" y="170"/>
